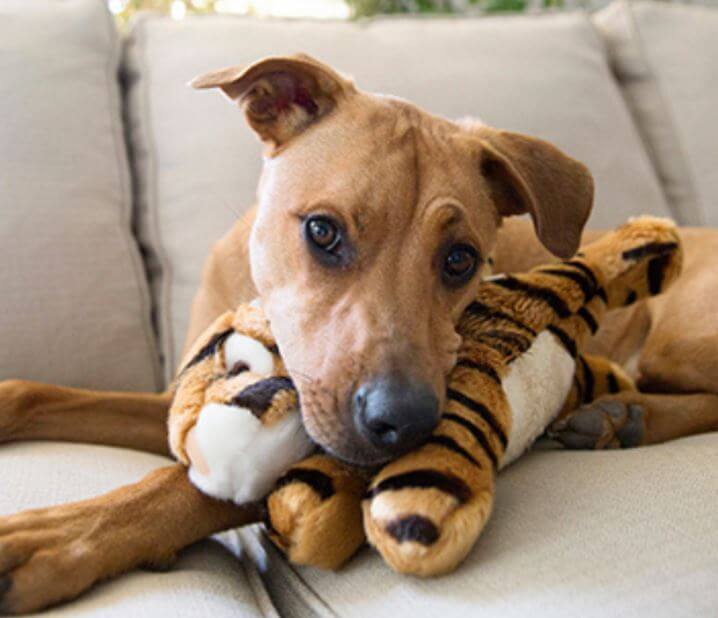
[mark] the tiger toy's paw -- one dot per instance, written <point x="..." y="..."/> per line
<point x="314" y="512"/>
<point x="425" y="521"/>
<point x="605" y="423"/>
<point x="235" y="417"/>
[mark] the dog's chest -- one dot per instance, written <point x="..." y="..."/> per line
<point x="536" y="387"/>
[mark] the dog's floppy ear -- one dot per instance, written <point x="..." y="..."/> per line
<point x="281" y="96"/>
<point x="529" y="175"/>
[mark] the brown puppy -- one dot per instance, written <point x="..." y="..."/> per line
<point x="373" y="223"/>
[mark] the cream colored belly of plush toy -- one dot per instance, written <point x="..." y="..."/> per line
<point x="536" y="387"/>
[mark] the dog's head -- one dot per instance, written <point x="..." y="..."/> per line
<point x="374" y="222"/>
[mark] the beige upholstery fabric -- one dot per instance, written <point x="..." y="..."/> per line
<point x="206" y="581"/>
<point x="665" y="58"/>
<point x="197" y="164"/>
<point x="592" y="534"/>
<point x="74" y="303"/>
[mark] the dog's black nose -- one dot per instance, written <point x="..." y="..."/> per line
<point x="395" y="413"/>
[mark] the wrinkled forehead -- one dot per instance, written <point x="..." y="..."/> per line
<point x="376" y="151"/>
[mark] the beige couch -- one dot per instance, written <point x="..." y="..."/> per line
<point x="115" y="179"/>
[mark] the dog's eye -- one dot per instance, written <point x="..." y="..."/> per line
<point x="323" y="233"/>
<point x="459" y="265"/>
<point x="326" y="241"/>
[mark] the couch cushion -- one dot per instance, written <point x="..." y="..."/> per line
<point x="616" y="533"/>
<point x="665" y="58"/>
<point x="197" y="163"/>
<point x="74" y="307"/>
<point x="206" y="581"/>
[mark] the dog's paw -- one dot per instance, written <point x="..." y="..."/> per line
<point x="425" y="522"/>
<point x="314" y="512"/>
<point x="50" y="555"/>
<point x="604" y="423"/>
<point x="15" y="395"/>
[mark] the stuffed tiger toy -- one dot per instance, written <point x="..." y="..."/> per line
<point x="235" y="418"/>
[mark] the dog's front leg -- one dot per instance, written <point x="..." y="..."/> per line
<point x="37" y="411"/>
<point x="54" y="554"/>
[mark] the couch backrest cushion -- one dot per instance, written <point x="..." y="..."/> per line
<point x="666" y="59"/>
<point x="74" y="304"/>
<point x="198" y="163"/>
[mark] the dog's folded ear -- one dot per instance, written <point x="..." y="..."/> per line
<point x="529" y="175"/>
<point x="281" y="96"/>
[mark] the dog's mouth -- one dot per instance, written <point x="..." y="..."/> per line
<point x="340" y="441"/>
<point x="347" y="444"/>
<point x="358" y="457"/>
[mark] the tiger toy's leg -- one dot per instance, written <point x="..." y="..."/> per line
<point x="424" y="511"/>
<point x="587" y="419"/>
<point x="314" y="512"/>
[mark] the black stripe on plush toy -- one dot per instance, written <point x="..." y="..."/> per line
<point x="515" y="341"/>
<point x="209" y="348"/>
<point x="452" y="445"/>
<point x="424" y="479"/>
<point x="566" y="341"/>
<point x="481" y="410"/>
<point x="585" y="270"/>
<point x="656" y="271"/>
<point x="476" y="432"/>
<point x="579" y="387"/>
<point x="588" y="289"/>
<point x="316" y="479"/>
<point x="413" y="528"/>
<point x="613" y="386"/>
<point x="589" y="381"/>
<point x="651" y="248"/>
<point x="588" y="318"/>
<point x="480" y="310"/>
<point x="631" y="298"/>
<point x="548" y="296"/>
<point x="258" y="397"/>
<point x="484" y="368"/>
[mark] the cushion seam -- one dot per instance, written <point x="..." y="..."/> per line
<point x="652" y="76"/>
<point x="126" y="201"/>
<point x="164" y="305"/>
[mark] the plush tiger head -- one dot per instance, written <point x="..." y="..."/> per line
<point x="235" y="413"/>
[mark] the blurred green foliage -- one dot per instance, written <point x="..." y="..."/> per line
<point x="362" y="8"/>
